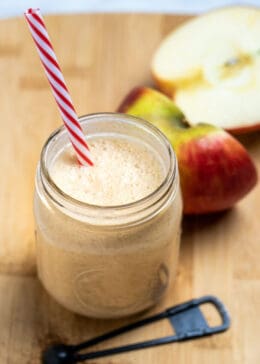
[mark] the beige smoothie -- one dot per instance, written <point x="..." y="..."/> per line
<point x="124" y="171"/>
<point x="105" y="269"/>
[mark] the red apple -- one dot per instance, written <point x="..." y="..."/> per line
<point x="216" y="171"/>
<point x="210" y="66"/>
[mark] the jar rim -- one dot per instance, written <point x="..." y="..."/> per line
<point x="170" y="175"/>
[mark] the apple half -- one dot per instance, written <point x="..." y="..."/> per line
<point x="210" y="65"/>
<point x="215" y="169"/>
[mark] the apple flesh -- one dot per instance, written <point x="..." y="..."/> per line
<point x="216" y="171"/>
<point x="210" y="66"/>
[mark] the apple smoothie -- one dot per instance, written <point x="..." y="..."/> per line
<point x="108" y="235"/>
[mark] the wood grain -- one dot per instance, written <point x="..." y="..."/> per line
<point x="103" y="57"/>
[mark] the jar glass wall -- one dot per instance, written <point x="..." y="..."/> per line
<point x="108" y="261"/>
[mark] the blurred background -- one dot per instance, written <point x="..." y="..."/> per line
<point x="16" y="7"/>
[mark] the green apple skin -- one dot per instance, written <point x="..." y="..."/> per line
<point x="216" y="171"/>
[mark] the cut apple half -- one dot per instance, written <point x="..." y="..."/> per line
<point x="216" y="171"/>
<point x="211" y="68"/>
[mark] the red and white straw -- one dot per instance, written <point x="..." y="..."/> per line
<point x="58" y="86"/>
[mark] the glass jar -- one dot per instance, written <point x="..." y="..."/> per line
<point x="110" y="261"/>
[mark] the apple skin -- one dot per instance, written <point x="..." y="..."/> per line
<point x="215" y="169"/>
<point x="216" y="172"/>
<point x="164" y="86"/>
<point x="244" y="129"/>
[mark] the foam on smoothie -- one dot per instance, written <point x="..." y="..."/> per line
<point x="124" y="171"/>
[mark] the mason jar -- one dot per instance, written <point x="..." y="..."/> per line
<point x="108" y="261"/>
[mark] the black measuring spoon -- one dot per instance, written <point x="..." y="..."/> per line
<point x="186" y="319"/>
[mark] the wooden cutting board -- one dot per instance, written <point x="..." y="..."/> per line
<point x="103" y="57"/>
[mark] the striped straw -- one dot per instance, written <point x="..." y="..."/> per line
<point x="53" y="72"/>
